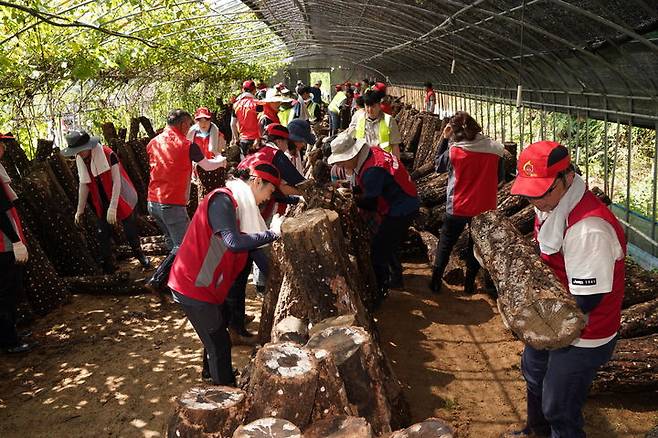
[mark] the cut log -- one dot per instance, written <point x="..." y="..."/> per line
<point x="118" y="283"/>
<point x="14" y="160"/>
<point x="431" y="242"/>
<point x="430" y="125"/>
<point x="133" y="132"/>
<point x="509" y="204"/>
<point x="44" y="149"/>
<point x="633" y="367"/>
<point x="209" y="181"/>
<point x="208" y="412"/>
<point x="268" y="428"/>
<point x="640" y="285"/>
<point x="432" y="191"/>
<point x="290" y="329"/>
<point x="283" y="383"/>
<point x="325" y="287"/>
<point x="358" y="361"/>
<point x="148" y="126"/>
<point x="510" y="163"/>
<point x="331" y="396"/>
<point x="524" y="219"/>
<point x="422" y="171"/>
<point x="411" y="132"/>
<point x="430" y="428"/>
<point x="109" y="132"/>
<point x="532" y="300"/>
<point x="340" y="427"/>
<point x="342" y="320"/>
<point x="273" y="287"/>
<point x="639" y="320"/>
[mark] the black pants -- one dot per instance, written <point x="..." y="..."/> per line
<point x="209" y="322"/>
<point x="235" y="301"/>
<point x="11" y="283"/>
<point x="385" y="243"/>
<point x="450" y="232"/>
<point x="104" y="231"/>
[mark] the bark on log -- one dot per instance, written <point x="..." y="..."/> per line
<point x="430" y="428"/>
<point x="209" y="181"/>
<point x="411" y="131"/>
<point x="138" y="148"/>
<point x="148" y="126"/>
<point x="340" y="427"/>
<point x="431" y="242"/>
<point x="510" y="164"/>
<point x="15" y="160"/>
<point x="422" y="171"/>
<point x="358" y="360"/>
<point x="633" y="367"/>
<point x="118" y="283"/>
<point x="331" y="396"/>
<point x="44" y="149"/>
<point x="272" y="289"/>
<point x="432" y="191"/>
<point x="508" y="204"/>
<point x="639" y="320"/>
<point x="109" y="132"/>
<point x="208" y="412"/>
<point x="524" y="220"/>
<point x="283" y="383"/>
<point x="640" y="285"/>
<point x="133" y="132"/>
<point x="268" y="428"/>
<point x="325" y="287"/>
<point x="532" y="300"/>
<point x="430" y="125"/>
<point x="290" y="329"/>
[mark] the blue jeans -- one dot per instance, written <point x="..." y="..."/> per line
<point x="173" y="221"/>
<point x="557" y="383"/>
<point x="334" y="123"/>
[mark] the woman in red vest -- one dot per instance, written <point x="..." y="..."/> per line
<point x="226" y="231"/>
<point x="472" y="162"/>
<point x="113" y="196"/>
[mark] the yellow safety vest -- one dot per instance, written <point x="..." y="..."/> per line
<point x="384" y="131"/>
<point x="338" y="98"/>
<point x="286" y="116"/>
<point x="311" y="111"/>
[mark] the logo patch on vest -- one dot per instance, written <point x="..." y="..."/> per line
<point x="583" y="281"/>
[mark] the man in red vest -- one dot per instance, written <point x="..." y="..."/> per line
<point x="171" y="156"/>
<point x="246" y="113"/>
<point x="13" y="255"/>
<point x="113" y="196"/>
<point x="581" y="240"/>
<point x="430" y="98"/>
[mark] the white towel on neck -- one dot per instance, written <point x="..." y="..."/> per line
<point x="99" y="164"/>
<point x="6" y="180"/>
<point x="554" y="223"/>
<point x="216" y="142"/>
<point x="251" y="221"/>
<point x="482" y="144"/>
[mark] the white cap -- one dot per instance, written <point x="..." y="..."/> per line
<point x="345" y="147"/>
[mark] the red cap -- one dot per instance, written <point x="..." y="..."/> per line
<point x="538" y="166"/>
<point x="202" y="113"/>
<point x="357" y="84"/>
<point x="274" y="129"/>
<point x="275" y="180"/>
<point x="379" y="86"/>
<point x="248" y="85"/>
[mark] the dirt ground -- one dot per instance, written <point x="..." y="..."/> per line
<point x="111" y="366"/>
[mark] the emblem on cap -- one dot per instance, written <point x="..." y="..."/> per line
<point x="529" y="168"/>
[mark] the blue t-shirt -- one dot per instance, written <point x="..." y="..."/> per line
<point x="376" y="182"/>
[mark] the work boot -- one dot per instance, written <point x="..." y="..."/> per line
<point x="437" y="281"/>
<point x="242" y="336"/>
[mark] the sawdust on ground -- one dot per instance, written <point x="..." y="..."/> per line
<point x="112" y="366"/>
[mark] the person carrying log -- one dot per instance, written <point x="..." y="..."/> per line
<point x="113" y="196"/>
<point x="13" y="255"/>
<point x="385" y="188"/>
<point x="582" y="241"/>
<point x="472" y="161"/>
<point x="226" y="230"/>
<point x="375" y="126"/>
<point x="171" y="156"/>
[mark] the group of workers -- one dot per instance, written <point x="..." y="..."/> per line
<point x="213" y="254"/>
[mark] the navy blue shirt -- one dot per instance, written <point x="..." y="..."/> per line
<point x="376" y="182"/>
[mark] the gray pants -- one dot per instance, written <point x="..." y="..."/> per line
<point x="173" y="221"/>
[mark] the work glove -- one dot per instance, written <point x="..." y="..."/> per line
<point x="112" y="215"/>
<point x="78" y="219"/>
<point x="20" y="252"/>
<point x="275" y="224"/>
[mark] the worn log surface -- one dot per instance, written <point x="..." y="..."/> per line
<point x="510" y="163"/>
<point x="359" y="364"/>
<point x="508" y="204"/>
<point x="531" y="299"/>
<point x="337" y="321"/>
<point x="272" y="289"/>
<point x="331" y="396"/>
<point x="268" y="428"/>
<point x="290" y="329"/>
<point x="432" y="190"/>
<point x="430" y="428"/>
<point x="118" y="283"/>
<point x="148" y="126"/>
<point x="431" y="242"/>
<point x="640" y="285"/>
<point x="283" y="383"/>
<point x="411" y="130"/>
<point x="524" y="219"/>
<point x="639" y="320"/>
<point x="430" y="125"/>
<point x="340" y="427"/>
<point x="44" y="149"/>
<point x="209" y="181"/>
<point x="208" y="412"/>
<point x="633" y="367"/>
<point x="15" y="160"/>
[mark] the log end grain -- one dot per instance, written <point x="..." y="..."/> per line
<point x="268" y="428"/>
<point x="430" y="428"/>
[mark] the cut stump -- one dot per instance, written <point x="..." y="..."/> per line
<point x="268" y="428"/>
<point x="430" y="428"/>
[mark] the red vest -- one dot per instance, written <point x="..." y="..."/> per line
<point x="203" y="143"/>
<point x="245" y="112"/>
<point x="127" y="196"/>
<point x="12" y="214"/>
<point x="604" y="320"/>
<point x="473" y="187"/>
<point x="380" y="158"/>
<point x="266" y="154"/>
<point x="171" y="168"/>
<point x="428" y="95"/>
<point x="204" y="268"/>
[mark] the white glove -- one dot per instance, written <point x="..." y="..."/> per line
<point x="275" y="224"/>
<point x="78" y="218"/>
<point x="20" y="252"/>
<point x="112" y="215"/>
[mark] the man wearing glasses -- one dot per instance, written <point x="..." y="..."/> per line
<point x="583" y="243"/>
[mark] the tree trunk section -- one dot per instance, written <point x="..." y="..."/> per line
<point x="268" y="428"/>
<point x="639" y="320"/>
<point x="524" y="220"/>
<point x="633" y="367"/>
<point x="283" y="383"/>
<point x="532" y="300"/>
<point x="290" y="329"/>
<point x="272" y="288"/>
<point x="432" y="189"/>
<point x="430" y="428"/>
<point x="118" y="283"/>
<point x="640" y="285"/>
<point x="208" y="412"/>
<point x="340" y="427"/>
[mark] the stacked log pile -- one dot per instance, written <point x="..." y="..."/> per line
<point x="63" y="256"/>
